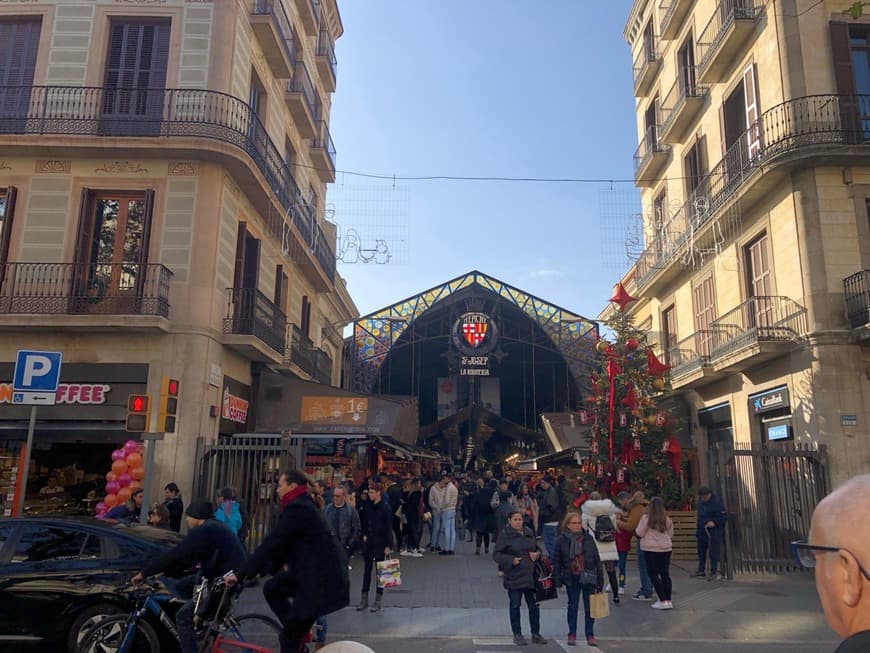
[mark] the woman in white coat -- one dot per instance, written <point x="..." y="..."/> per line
<point x="605" y="536"/>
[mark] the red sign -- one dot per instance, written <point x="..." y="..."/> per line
<point x="234" y="408"/>
<point x="68" y="393"/>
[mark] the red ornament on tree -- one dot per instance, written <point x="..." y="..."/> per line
<point x="654" y="365"/>
<point x="621" y="297"/>
<point x="630" y="399"/>
<point x="631" y="344"/>
<point x="584" y="417"/>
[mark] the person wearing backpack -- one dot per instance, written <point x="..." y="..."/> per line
<point x="599" y="518"/>
<point x="229" y="512"/>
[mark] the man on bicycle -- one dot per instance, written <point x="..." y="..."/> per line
<point x="307" y="561"/>
<point x="209" y="544"/>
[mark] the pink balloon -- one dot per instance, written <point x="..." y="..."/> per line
<point x="131" y="446"/>
<point x="119" y="454"/>
<point x="101" y="508"/>
<point x="124" y="479"/>
<point x="112" y="487"/>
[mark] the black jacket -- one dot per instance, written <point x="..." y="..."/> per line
<point x="514" y="544"/>
<point x="347" y="518"/>
<point x="857" y="643"/>
<point x="548" y="505"/>
<point x="710" y="510"/>
<point x="394" y="496"/>
<point x="302" y="540"/>
<point x="175" y="506"/>
<point x="212" y="545"/>
<point x="378" y="530"/>
<point x="482" y="514"/>
<point x="562" y="559"/>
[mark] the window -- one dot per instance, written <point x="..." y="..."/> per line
<point x="41" y="543"/>
<point x="686" y="67"/>
<point x="693" y="167"/>
<point x="281" y="286"/>
<point x="760" y="282"/>
<point x="650" y="127"/>
<point x="649" y="42"/>
<point x="660" y="221"/>
<point x="669" y="331"/>
<point x="19" y="44"/>
<point x="7" y="210"/>
<point x="705" y="312"/>
<point x="740" y="132"/>
<point x="313" y="201"/>
<point x="257" y="97"/>
<point x="290" y="156"/>
<point x="305" y="323"/>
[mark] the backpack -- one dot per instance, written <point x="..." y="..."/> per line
<point x="605" y="531"/>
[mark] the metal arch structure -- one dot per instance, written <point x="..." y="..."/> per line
<point x="375" y="335"/>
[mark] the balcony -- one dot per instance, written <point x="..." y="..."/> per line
<point x="323" y="154"/>
<point x="672" y="13"/>
<point x="272" y="29"/>
<point x="759" y="329"/>
<point x="125" y="295"/>
<point x="302" y="353"/>
<point x="161" y="122"/>
<point x="836" y="126"/>
<point x="303" y="102"/>
<point x="719" y="44"/>
<point x="650" y="158"/>
<point x="857" y="294"/>
<point x="690" y="360"/>
<point x="254" y="326"/>
<point x="325" y="59"/>
<point x="681" y="106"/>
<point x="309" y="15"/>
<point x="646" y="67"/>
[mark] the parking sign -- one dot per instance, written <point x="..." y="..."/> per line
<point x="37" y="375"/>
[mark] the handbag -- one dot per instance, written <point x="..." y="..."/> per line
<point x="588" y="578"/>
<point x="545" y="588"/>
<point x="599" y="606"/>
<point x="389" y="572"/>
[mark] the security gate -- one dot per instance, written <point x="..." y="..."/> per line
<point x="250" y="463"/>
<point x="769" y="494"/>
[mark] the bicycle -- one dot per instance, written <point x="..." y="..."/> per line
<point x="135" y="633"/>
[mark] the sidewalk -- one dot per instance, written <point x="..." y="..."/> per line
<point x="461" y="596"/>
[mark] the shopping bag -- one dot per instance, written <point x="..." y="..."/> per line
<point x="545" y="588"/>
<point x="389" y="573"/>
<point x="599" y="606"/>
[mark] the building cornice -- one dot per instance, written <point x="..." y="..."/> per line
<point x="634" y="23"/>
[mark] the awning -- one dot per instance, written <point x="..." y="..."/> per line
<point x="568" y="457"/>
<point x="402" y="448"/>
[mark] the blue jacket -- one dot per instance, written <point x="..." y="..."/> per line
<point x="234" y="520"/>
<point x="711" y="510"/>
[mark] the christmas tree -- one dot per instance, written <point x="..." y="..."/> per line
<point x="632" y="440"/>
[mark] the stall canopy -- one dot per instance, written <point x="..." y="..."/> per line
<point x="288" y="404"/>
<point x="567" y="458"/>
<point x="565" y="431"/>
<point x="403" y="449"/>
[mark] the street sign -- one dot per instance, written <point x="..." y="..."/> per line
<point x="37" y="375"/>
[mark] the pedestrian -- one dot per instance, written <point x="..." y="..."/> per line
<point x="469" y="497"/>
<point x="158" y="517"/>
<point x="599" y="518"/>
<point x="623" y="538"/>
<point x="174" y="504"/>
<point x="839" y="550"/>
<point x="343" y="519"/>
<point x="482" y="518"/>
<point x="656" y="532"/>
<point x="229" y="512"/>
<point x="427" y="510"/>
<point x="130" y="510"/>
<point x="503" y="512"/>
<point x="516" y="552"/>
<point x="443" y="497"/>
<point x="636" y="509"/>
<point x="576" y="552"/>
<point x="548" y="512"/>
<point x="394" y="498"/>
<point x="377" y="541"/>
<point x="412" y="510"/>
<point x="315" y="579"/>
<point x="710" y="532"/>
<point x="527" y="504"/>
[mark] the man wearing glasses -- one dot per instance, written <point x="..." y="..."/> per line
<point x="839" y="551"/>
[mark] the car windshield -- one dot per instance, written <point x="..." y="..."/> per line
<point x="156" y="535"/>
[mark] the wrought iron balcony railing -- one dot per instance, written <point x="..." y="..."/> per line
<point x="310" y="359"/>
<point x="857" y="294"/>
<point x="250" y="313"/>
<point x="759" y="319"/>
<point x="160" y="112"/>
<point x="691" y="353"/>
<point x="647" y="56"/>
<point x="726" y="12"/>
<point x="301" y="83"/>
<point x="84" y="289"/>
<point x="650" y="145"/>
<point x="275" y="9"/>
<point x="684" y="87"/>
<point x="326" y="48"/>
<point x="324" y="142"/>
<point x="805" y="122"/>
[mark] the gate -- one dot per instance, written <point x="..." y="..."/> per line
<point x="769" y="494"/>
<point x="251" y="464"/>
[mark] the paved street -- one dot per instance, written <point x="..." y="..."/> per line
<point x="456" y="604"/>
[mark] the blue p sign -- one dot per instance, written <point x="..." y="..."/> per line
<point x="37" y="371"/>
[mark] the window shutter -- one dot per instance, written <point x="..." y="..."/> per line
<point x="241" y="237"/>
<point x="842" y="58"/>
<point x="753" y="126"/>
<point x="6" y="235"/>
<point x="80" y="255"/>
<point x="146" y="227"/>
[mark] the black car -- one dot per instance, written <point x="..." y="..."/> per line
<point x="58" y="575"/>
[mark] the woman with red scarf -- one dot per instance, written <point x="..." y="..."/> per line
<point x="314" y="564"/>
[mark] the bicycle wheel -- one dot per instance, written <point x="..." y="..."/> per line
<point x="107" y="635"/>
<point x="255" y="629"/>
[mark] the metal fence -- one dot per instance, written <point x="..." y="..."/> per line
<point x="250" y="464"/>
<point x="769" y="492"/>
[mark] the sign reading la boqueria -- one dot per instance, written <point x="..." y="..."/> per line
<point x="68" y="393"/>
<point x="475" y="335"/>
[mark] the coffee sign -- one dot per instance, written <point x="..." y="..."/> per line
<point x="80" y="394"/>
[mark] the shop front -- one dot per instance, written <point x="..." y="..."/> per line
<point x="771" y="411"/>
<point x="73" y="440"/>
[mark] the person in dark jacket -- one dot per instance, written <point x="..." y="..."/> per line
<point x="503" y="512"/>
<point x="209" y="544"/>
<point x="394" y="498"/>
<point x="516" y="552"/>
<point x="482" y="517"/>
<point x="343" y="519"/>
<point x="575" y="552"/>
<point x="377" y="541"/>
<point x="130" y="510"/>
<point x="709" y="532"/>
<point x="412" y="508"/>
<point x="174" y="505"/>
<point x="315" y="580"/>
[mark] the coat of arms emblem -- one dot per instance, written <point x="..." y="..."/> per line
<point x="475" y="327"/>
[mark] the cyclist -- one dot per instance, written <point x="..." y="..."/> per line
<point x="314" y="578"/>
<point x="209" y="544"/>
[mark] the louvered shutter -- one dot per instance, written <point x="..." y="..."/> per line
<point x="753" y="125"/>
<point x="845" y="79"/>
<point x="19" y="45"/>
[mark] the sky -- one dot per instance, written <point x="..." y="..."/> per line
<point x="488" y="88"/>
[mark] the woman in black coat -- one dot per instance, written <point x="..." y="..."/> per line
<point x="482" y="517"/>
<point x="575" y="552"/>
<point x="377" y="540"/>
<point x="516" y="552"/>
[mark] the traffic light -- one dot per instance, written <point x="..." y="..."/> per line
<point x="168" y="404"/>
<point x="138" y="413"/>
